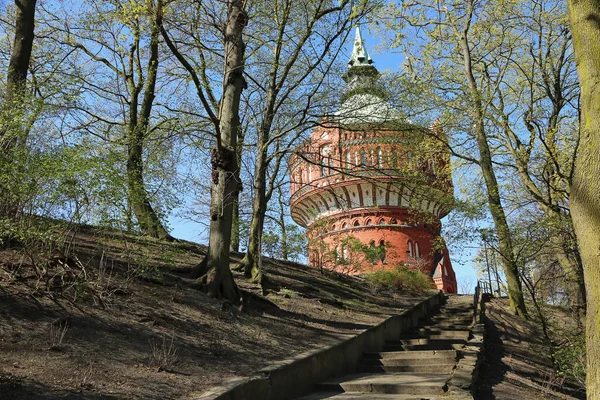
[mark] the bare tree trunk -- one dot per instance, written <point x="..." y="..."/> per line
<point x="148" y="220"/>
<point x="585" y="192"/>
<point x="251" y="261"/>
<point x="284" y="239"/>
<point x="214" y="269"/>
<point x="571" y="265"/>
<point x="12" y="132"/>
<point x="21" y="52"/>
<point x="511" y="270"/>
<point x="235" y="226"/>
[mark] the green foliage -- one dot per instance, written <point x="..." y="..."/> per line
<point x="569" y="356"/>
<point x="400" y="279"/>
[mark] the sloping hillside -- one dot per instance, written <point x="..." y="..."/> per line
<point x="115" y="316"/>
<point x="517" y="363"/>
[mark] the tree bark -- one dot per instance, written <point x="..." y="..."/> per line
<point x="251" y="261"/>
<point x="235" y="226"/>
<point x="214" y="270"/>
<point x="21" y="51"/>
<point x="584" y="16"/>
<point x="139" y="201"/>
<point x="12" y="131"/>
<point x="284" y="238"/>
<point x="511" y="270"/>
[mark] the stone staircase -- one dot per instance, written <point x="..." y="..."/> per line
<point x="419" y="366"/>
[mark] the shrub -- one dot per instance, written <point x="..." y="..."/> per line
<point x="400" y="279"/>
<point x="569" y="356"/>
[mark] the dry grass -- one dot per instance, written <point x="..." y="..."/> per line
<point x="163" y="354"/>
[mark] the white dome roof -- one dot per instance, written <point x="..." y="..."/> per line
<point x="366" y="108"/>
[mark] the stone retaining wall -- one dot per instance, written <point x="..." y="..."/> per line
<point x="295" y="377"/>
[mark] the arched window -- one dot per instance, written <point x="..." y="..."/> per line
<point x="357" y="223"/>
<point x="300" y="175"/>
<point x="382" y="255"/>
<point x="356" y="159"/>
<point x="325" y="159"/>
<point x="363" y="158"/>
<point x="379" y="158"/>
<point x="417" y="251"/>
<point x="381" y="221"/>
<point x="373" y="252"/>
<point x="410" y="250"/>
<point x="310" y="174"/>
<point x="393" y="221"/>
<point x="348" y="160"/>
<point x="368" y="223"/>
<point x="372" y="158"/>
<point x="344" y="225"/>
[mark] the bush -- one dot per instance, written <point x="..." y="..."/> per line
<point x="400" y="279"/>
<point x="569" y="356"/>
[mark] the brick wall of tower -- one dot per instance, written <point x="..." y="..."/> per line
<point x="329" y="160"/>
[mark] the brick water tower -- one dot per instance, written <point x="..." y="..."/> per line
<point x="369" y="175"/>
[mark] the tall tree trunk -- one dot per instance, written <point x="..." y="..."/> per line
<point x="235" y="225"/>
<point x="570" y="263"/>
<point x="585" y="192"/>
<point x="214" y="269"/>
<point x="147" y="218"/>
<point x="139" y="201"/>
<point x="252" y="259"/>
<point x="511" y="270"/>
<point x="12" y="131"/>
<point x="284" y="239"/>
<point x="21" y="55"/>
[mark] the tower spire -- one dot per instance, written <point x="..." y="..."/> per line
<point x="360" y="56"/>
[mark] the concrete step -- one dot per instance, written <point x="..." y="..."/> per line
<point x="414" y="384"/>
<point x="443" y="327"/>
<point x="436" y="330"/>
<point x="412" y="355"/>
<point x="425" y="340"/>
<point x="437" y="335"/>
<point x="436" y="368"/>
<point x="446" y="325"/>
<point x="457" y="310"/>
<point x="439" y="345"/>
<point x="368" y="396"/>
<point x="451" y="318"/>
<point x="433" y="360"/>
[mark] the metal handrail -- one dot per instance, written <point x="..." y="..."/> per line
<point x="483" y="287"/>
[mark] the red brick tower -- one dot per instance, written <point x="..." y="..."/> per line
<point x="367" y="176"/>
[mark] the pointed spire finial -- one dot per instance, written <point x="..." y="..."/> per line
<point x="359" y="56"/>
